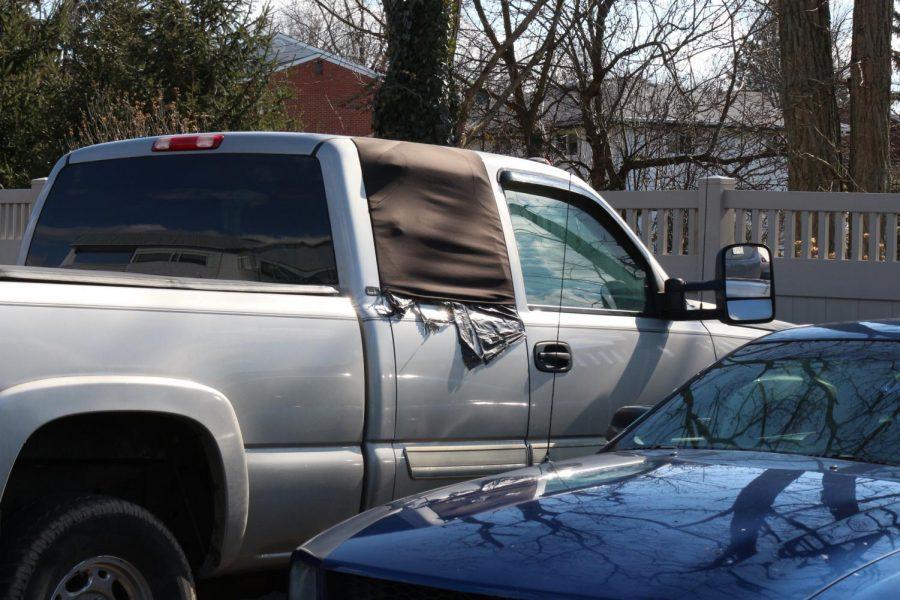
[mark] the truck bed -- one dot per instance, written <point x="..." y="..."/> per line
<point x="286" y="359"/>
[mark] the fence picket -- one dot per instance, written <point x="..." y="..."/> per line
<point x="740" y="231"/>
<point x="772" y="231"/>
<point x="645" y="227"/>
<point x="754" y="226"/>
<point x="844" y="253"/>
<point x="856" y="237"/>
<point x="789" y="223"/>
<point x="874" y="236"/>
<point x="805" y="234"/>
<point x="890" y="242"/>
<point x="692" y="232"/>
<point x="677" y="231"/>
<point x="823" y="235"/>
<point x="662" y="229"/>
<point x="18" y="229"/>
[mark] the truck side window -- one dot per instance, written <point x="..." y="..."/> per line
<point x="248" y="217"/>
<point x="557" y="238"/>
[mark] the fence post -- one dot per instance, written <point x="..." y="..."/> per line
<point x="37" y="185"/>
<point x="716" y="224"/>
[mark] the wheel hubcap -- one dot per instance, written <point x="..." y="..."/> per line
<point x="102" y="578"/>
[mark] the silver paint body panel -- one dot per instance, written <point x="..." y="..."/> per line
<point x="319" y="405"/>
<point x="439" y="398"/>
<point x="289" y="368"/>
<point x="296" y="493"/>
<point x="618" y="361"/>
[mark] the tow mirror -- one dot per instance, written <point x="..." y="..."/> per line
<point x="744" y="288"/>
<point x="624" y="417"/>
<point x="746" y="294"/>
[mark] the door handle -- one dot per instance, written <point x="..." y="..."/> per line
<point x="553" y="357"/>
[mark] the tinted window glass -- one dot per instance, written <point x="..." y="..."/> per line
<point x="556" y="238"/>
<point x="832" y="399"/>
<point x="253" y="217"/>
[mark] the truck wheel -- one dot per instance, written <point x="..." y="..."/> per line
<point x="92" y="548"/>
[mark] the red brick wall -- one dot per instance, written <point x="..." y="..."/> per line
<point x="333" y="100"/>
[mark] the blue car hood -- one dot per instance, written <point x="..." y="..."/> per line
<point x="636" y="525"/>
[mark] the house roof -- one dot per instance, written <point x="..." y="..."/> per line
<point x="647" y="102"/>
<point x="290" y="52"/>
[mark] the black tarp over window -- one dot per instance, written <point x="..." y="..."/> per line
<point x="437" y="230"/>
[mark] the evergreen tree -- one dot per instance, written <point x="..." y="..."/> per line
<point x="30" y="85"/>
<point x="210" y="55"/>
<point x="207" y="62"/>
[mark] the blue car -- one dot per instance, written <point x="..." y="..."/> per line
<point x="775" y="473"/>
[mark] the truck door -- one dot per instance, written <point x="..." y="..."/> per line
<point x="454" y="422"/>
<point x="594" y="342"/>
<point x="439" y="243"/>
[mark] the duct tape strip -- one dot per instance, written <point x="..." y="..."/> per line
<point x="484" y="331"/>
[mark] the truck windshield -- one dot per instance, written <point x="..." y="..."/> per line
<point x="250" y="217"/>
<point x="836" y="399"/>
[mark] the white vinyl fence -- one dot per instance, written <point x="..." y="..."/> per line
<point x="836" y="253"/>
<point x="15" y="210"/>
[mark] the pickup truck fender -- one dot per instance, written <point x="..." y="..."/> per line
<point x="26" y="407"/>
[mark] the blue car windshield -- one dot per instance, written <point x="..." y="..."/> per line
<point x="835" y="399"/>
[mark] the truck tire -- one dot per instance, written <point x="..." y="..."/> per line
<point x="92" y="547"/>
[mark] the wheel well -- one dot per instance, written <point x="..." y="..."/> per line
<point x="167" y="464"/>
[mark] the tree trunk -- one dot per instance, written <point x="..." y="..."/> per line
<point x="417" y="99"/>
<point x="811" y="121"/>
<point x="870" y="96"/>
<point x="531" y="133"/>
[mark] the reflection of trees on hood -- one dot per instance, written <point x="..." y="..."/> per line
<point x="750" y="510"/>
<point x="781" y="519"/>
<point x="755" y="509"/>
<point x="756" y="504"/>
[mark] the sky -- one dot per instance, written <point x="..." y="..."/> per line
<point x="840" y="9"/>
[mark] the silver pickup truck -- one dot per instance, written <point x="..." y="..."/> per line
<point x="215" y="346"/>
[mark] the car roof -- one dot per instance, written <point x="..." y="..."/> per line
<point x="875" y="330"/>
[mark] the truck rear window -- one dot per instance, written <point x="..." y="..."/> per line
<point x="248" y="217"/>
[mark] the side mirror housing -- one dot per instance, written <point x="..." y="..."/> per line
<point x="746" y="293"/>
<point x="624" y="417"/>
<point x="744" y="288"/>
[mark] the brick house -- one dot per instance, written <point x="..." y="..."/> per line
<point x="329" y="94"/>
